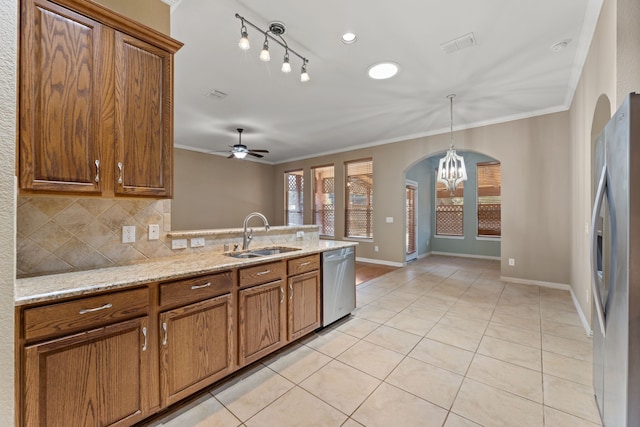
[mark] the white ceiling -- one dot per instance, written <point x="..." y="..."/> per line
<point x="511" y="73"/>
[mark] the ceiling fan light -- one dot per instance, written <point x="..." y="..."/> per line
<point x="239" y="154"/>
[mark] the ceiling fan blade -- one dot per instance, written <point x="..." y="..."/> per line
<point x="255" y="155"/>
<point x="230" y="156"/>
<point x="259" y="151"/>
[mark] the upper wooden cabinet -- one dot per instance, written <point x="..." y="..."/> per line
<point x="96" y="102"/>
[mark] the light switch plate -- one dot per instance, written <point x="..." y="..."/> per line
<point x="128" y="233"/>
<point x="389" y="220"/>
<point x="154" y="231"/>
<point x="179" y="244"/>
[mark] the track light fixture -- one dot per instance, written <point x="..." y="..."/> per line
<point x="451" y="169"/>
<point x="275" y="32"/>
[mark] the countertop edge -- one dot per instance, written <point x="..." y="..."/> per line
<point x="49" y="288"/>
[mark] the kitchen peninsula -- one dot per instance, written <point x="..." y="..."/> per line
<point x="131" y="340"/>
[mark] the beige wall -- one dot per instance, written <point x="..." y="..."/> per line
<point x="153" y="13"/>
<point x="8" y="107"/>
<point x="536" y="211"/>
<point x="610" y="73"/>
<point x="215" y="192"/>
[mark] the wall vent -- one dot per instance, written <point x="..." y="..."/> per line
<point x="215" y="93"/>
<point x="459" y="43"/>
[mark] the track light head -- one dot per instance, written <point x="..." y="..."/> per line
<point x="244" y="38"/>
<point x="264" y="54"/>
<point x="286" y="66"/>
<point x="304" y="76"/>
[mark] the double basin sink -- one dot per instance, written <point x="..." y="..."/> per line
<point x="260" y="252"/>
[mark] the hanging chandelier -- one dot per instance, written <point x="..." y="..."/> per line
<point x="451" y="170"/>
<point x="275" y="33"/>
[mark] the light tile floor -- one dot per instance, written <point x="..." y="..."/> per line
<point x="441" y="342"/>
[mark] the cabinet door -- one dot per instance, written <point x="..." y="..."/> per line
<point x="59" y="144"/>
<point x="96" y="378"/>
<point x="262" y="319"/>
<point x="144" y="118"/>
<point x="196" y="347"/>
<point x="304" y="304"/>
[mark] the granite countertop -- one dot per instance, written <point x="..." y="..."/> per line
<point x="57" y="286"/>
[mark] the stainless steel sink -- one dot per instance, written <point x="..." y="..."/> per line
<point x="260" y="252"/>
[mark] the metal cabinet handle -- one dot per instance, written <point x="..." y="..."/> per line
<point x="97" y="178"/>
<point x="305" y="264"/>
<point x="290" y="290"/>
<point x="201" y="286"/>
<point x="91" y="310"/>
<point x="144" y="333"/>
<point x="597" y="296"/>
<point x="119" y="172"/>
<point x="263" y="272"/>
<point x="164" y="329"/>
<point x="281" y="294"/>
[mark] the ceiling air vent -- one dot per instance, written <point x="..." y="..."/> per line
<point x="215" y="93"/>
<point x="461" y="42"/>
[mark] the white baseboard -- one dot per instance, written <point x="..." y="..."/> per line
<point x="562" y="286"/>
<point x="380" y="261"/>
<point x="496" y="258"/>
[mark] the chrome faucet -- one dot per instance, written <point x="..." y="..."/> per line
<point x="248" y="235"/>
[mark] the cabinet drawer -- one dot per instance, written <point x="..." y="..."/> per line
<point x="304" y="264"/>
<point x="262" y="273"/>
<point x="85" y="313"/>
<point x="195" y="289"/>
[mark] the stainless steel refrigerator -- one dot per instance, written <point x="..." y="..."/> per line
<point x="615" y="262"/>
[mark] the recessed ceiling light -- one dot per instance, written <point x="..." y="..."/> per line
<point x="383" y="70"/>
<point x="349" y="38"/>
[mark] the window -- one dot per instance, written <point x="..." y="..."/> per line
<point x="489" y="200"/>
<point x="410" y="208"/>
<point x="449" y="210"/>
<point x="293" y="187"/>
<point x="359" y="199"/>
<point x="323" y="199"/>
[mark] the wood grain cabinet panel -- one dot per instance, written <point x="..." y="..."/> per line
<point x="95" y="378"/>
<point x="262" y="321"/>
<point x="303" y="304"/>
<point x="197" y="347"/>
<point x="143" y="116"/>
<point x="96" y="103"/>
<point x="60" y="102"/>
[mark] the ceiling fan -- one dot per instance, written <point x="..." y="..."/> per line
<point x="240" y="151"/>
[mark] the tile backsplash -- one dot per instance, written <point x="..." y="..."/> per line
<point x="59" y="234"/>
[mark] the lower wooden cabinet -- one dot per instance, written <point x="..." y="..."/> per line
<point x="303" y="305"/>
<point x="94" y="378"/>
<point x="196" y="347"/>
<point x="262" y="321"/>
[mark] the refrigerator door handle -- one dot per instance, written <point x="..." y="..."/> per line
<point x="597" y="296"/>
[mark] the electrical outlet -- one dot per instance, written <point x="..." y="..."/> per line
<point x="154" y="231"/>
<point x="197" y="242"/>
<point x="376" y="248"/>
<point x="179" y="244"/>
<point x="512" y="262"/>
<point x="389" y="220"/>
<point x="300" y="234"/>
<point x="128" y="233"/>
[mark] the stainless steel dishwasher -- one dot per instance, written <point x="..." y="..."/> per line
<point x="338" y="284"/>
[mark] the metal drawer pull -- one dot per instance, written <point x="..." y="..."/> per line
<point x="144" y="333"/>
<point x="263" y="272"/>
<point x="97" y="178"/>
<point x="281" y="294"/>
<point x="201" y="286"/>
<point x="91" y="310"/>
<point x="164" y="329"/>
<point x="305" y="263"/>
<point x="120" y="173"/>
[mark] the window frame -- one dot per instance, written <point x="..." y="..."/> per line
<point x="328" y="215"/>
<point x="480" y="236"/>
<point x="300" y="202"/>
<point x="368" y="227"/>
